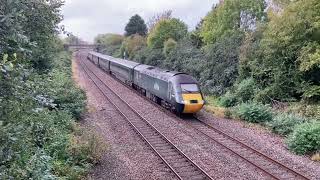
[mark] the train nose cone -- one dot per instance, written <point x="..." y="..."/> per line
<point x="192" y="102"/>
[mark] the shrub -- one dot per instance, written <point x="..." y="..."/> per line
<point x="245" y="90"/>
<point x="228" y="100"/>
<point x="284" y="124"/>
<point x="305" y="138"/>
<point x="254" y="112"/>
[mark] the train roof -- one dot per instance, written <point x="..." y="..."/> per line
<point x="102" y="56"/>
<point x="122" y="62"/>
<point x="127" y="63"/>
<point x="156" y="72"/>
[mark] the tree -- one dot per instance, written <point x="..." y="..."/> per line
<point x="109" y="44"/>
<point x="136" y="25"/>
<point x="286" y="62"/>
<point x="72" y="39"/>
<point x="165" y="29"/>
<point x="231" y="16"/>
<point x="132" y="44"/>
<point x="158" y="17"/>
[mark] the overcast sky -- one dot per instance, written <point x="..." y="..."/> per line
<point x="87" y="18"/>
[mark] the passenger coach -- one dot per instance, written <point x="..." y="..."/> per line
<point x="176" y="91"/>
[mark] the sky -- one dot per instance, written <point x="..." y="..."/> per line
<point x="88" y="18"/>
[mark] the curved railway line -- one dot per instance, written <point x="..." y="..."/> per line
<point x="182" y="166"/>
<point x="165" y="149"/>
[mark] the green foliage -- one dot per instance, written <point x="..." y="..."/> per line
<point x="284" y="124"/>
<point x="228" y="100"/>
<point x="184" y="57"/>
<point x="136" y="25"/>
<point x="306" y="109"/>
<point x="36" y="120"/>
<point x="231" y="16"/>
<point x="305" y="138"/>
<point x="132" y="44"/>
<point x="29" y="29"/>
<point x="169" y="46"/>
<point x="254" y="112"/>
<point x="284" y="60"/>
<point x="150" y="56"/>
<point x="220" y="68"/>
<point x="109" y="44"/>
<point x="61" y="89"/>
<point x="245" y="90"/>
<point x="166" y="29"/>
<point x="312" y="93"/>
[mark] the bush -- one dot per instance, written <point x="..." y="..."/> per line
<point x="228" y="100"/>
<point x="254" y="112"/>
<point x="36" y="123"/>
<point x="245" y="90"/>
<point x="305" y="138"/>
<point x="284" y="124"/>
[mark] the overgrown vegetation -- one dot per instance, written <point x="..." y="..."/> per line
<point x="39" y="102"/>
<point x="248" y="54"/>
<point x="254" y="112"/>
<point x="284" y="124"/>
<point x="305" y="138"/>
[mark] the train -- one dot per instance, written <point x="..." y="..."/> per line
<point x="176" y="91"/>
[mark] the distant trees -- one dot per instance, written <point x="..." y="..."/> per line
<point x="165" y="29"/>
<point x="132" y="44"/>
<point x="240" y="40"/>
<point x="109" y="43"/>
<point x="157" y="17"/>
<point x="136" y="25"/>
<point x="72" y="39"/>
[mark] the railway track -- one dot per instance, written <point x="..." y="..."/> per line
<point x="261" y="161"/>
<point x="266" y="164"/>
<point x="182" y="166"/>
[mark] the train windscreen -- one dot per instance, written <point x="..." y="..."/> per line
<point x="189" y="88"/>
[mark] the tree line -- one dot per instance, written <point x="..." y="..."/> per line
<point x="276" y="45"/>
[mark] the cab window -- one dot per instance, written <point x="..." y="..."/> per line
<point x="189" y="88"/>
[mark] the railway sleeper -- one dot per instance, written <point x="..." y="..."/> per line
<point x="200" y="176"/>
<point x="171" y="154"/>
<point x="177" y="165"/>
<point x="187" y="172"/>
<point x="166" y="150"/>
<point x="156" y="145"/>
<point x="178" y="159"/>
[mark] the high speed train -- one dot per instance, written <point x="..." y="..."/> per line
<point x="176" y="91"/>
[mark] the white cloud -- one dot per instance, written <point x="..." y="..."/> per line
<point x="86" y="18"/>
